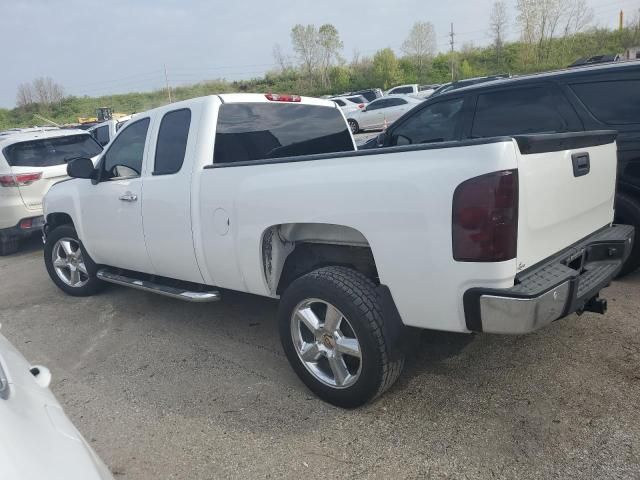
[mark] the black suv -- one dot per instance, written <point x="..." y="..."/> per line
<point x="598" y="97"/>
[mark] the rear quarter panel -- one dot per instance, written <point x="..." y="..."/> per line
<point x="400" y="201"/>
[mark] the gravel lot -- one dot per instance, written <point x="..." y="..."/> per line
<point x="165" y="389"/>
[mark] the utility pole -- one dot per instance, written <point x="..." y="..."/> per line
<point x="451" y="42"/>
<point x="166" y="79"/>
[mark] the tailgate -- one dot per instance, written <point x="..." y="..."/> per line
<point x="566" y="187"/>
<point x="33" y="192"/>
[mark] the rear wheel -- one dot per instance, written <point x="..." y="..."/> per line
<point x="353" y="125"/>
<point x="628" y="213"/>
<point x="68" y="264"/>
<point x="331" y="328"/>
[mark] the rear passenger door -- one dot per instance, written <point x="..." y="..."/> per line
<point x="534" y="108"/>
<point x="166" y="205"/>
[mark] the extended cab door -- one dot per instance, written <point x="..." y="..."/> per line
<point x="166" y="208"/>
<point x="111" y="213"/>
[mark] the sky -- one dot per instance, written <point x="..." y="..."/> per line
<point x="117" y="46"/>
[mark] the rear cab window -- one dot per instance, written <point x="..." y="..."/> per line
<point x="48" y="152"/>
<point x="259" y="131"/>
<point x="172" y="142"/>
<point x="520" y="110"/>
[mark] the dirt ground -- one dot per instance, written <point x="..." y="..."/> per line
<point x="165" y="389"/>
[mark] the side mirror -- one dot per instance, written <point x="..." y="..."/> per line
<point x="81" y="168"/>
<point x="380" y="139"/>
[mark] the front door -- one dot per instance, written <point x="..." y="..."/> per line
<point x="112" y="229"/>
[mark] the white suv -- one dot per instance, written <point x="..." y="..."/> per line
<point x="350" y="103"/>
<point x="30" y="162"/>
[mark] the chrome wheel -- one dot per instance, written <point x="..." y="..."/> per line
<point x="68" y="262"/>
<point x="326" y="343"/>
<point x="353" y="126"/>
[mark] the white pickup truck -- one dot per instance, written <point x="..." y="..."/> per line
<point x="266" y="194"/>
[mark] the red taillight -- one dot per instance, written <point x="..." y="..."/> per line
<point x="276" y="97"/>
<point x="26" y="223"/>
<point x="361" y="105"/>
<point x="485" y="218"/>
<point x="19" y="179"/>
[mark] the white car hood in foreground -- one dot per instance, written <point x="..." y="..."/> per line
<point x="38" y="441"/>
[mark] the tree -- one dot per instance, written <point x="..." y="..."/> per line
<point x="386" y="70"/>
<point x="47" y="91"/>
<point x="466" y="71"/>
<point x="420" y="45"/>
<point x="279" y="58"/>
<point x="42" y="90"/>
<point x="329" y="47"/>
<point x="541" y="20"/>
<point x="498" y="22"/>
<point x="305" y="43"/>
<point x="24" y="96"/>
<point x="577" y="16"/>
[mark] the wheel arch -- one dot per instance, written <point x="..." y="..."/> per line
<point x="56" y="219"/>
<point x="290" y="250"/>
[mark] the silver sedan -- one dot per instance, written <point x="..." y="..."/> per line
<point x="380" y="113"/>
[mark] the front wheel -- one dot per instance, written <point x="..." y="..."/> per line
<point x="68" y="264"/>
<point x="331" y="328"/>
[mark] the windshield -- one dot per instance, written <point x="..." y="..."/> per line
<point x="46" y="152"/>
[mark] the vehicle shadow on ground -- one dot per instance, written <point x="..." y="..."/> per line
<point x="28" y="245"/>
<point x="430" y="349"/>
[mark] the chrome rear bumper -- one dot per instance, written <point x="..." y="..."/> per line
<point x="566" y="283"/>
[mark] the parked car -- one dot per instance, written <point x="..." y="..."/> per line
<point x="350" y="103"/>
<point x="380" y="113"/>
<point x="581" y="98"/>
<point x="105" y="131"/>
<point x="38" y="440"/>
<point x="30" y="162"/>
<point x="498" y="235"/>
<point x="419" y="91"/>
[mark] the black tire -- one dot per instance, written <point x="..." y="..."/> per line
<point x="8" y="245"/>
<point x="93" y="285"/>
<point x="628" y="213"/>
<point x="354" y="295"/>
<point x="353" y="125"/>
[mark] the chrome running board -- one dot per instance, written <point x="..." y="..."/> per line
<point x="166" y="290"/>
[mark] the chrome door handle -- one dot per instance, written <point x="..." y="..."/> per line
<point x="128" y="197"/>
